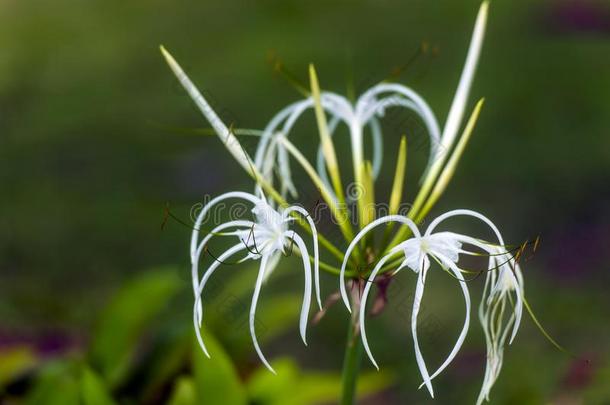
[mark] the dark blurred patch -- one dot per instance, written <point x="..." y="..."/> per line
<point x="579" y="248"/>
<point x="46" y="343"/>
<point x="576" y="16"/>
<point x="580" y="373"/>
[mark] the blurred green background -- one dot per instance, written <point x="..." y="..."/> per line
<point x="94" y="295"/>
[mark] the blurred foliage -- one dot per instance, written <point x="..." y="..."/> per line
<point x="90" y="152"/>
<point x="176" y="376"/>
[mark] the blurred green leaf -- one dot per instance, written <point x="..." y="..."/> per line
<point x="278" y="314"/>
<point x="14" y="361"/>
<point x="167" y="360"/>
<point x="124" y="321"/>
<point x="184" y="392"/>
<point x="217" y="381"/>
<point x="93" y="389"/>
<point x="294" y="387"/>
<point x="56" y="384"/>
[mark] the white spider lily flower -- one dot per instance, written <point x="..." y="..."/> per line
<point x="265" y="238"/>
<point x="445" y="248"/>
<point x="367" y="111"/>
<point x="504" y="290"/>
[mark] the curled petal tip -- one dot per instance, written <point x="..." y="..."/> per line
<point x="345" y="299"/>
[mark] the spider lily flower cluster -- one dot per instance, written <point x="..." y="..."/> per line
<point x="269" y="231"/>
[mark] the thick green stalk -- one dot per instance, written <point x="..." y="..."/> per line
<point x="352" y="359"/>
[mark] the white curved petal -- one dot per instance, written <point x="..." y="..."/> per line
<point x="389" y="218"/>
<point x="280" y="126"/>
<point x="365" y="294"/>
<point x="252" y="314"/>
<point x="307" y="288"/>
<point x="232" y="194"/>
<point x="377" y="138"/>
<point x="204" y="242"/>
<point x="519" y="305"/>
<point x="316" y="250"/>
<point x="421" y="364"/>
<point x="464" y="212"/>
<point x="208" y="273"/>
<point x="458" y="344"/>
<point x="411" y="100"/>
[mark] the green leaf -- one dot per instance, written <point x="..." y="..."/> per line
<point x="171" y="353"/>
<point x="399" y="177"/>
<point x="216" y="379"/>
<point x="93" y="389"/>
<point x="124" y="321"/>
<point x="184" y="392"/>
<point x="56" y="385"/>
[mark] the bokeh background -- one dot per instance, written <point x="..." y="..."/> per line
<point x="96" y="137"/>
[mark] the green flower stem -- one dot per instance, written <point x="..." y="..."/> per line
<point x="352" y="360"/>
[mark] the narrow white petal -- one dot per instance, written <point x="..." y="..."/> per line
<point x="197" y="312"/>
<point x="316" y="252"/>
<point x="419" y="293"/>
<point x="206" y="208"/>
<point x="203" y="243"/>
<point x="251" y="318"/>
<point x="307" y="289"/>
<point x="464" y="212"/>
<point x="368" y="105"/>
<point x="458" y="344"/>
<point x="365" y="294"/>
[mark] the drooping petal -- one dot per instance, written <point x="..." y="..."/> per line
<point x="316" y="250"/>
<point x="363" y="300"/>
<point x="458" y="344"/>
<point x="307" y="288"/>
<point x="206" y="208"/>
<point x="197" y="312"/>
<point x="203" y="243"/>
<point x="421" y="364"/>
<point x="252" y="314"/>
<point x="403" y="96"/>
